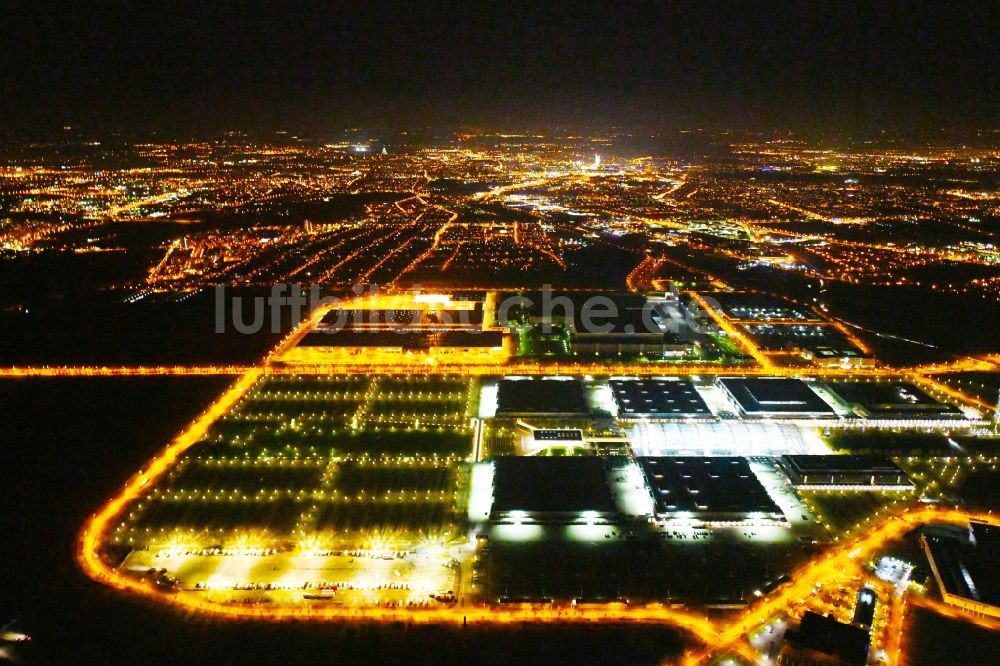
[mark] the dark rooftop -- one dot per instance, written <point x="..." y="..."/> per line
<point x="541" y="396"/>
<point x="760" y="395"/>
<point x="968" y="566"/>
<point x="558" y="301"/>
<point x="759" y="307"/>
<point x="864" y="607"/>
<point x="893" y="399"/>
<point x="658" y="397"/>
<point x="551" y="485"/>
<point x="616" y="320"/>
<point x="406" y="339"/>
<point x="350" y="319"/>
<point x="828" y="636"/>
<point x="834" y="463"/>
<point x="356" y="318"/>
<point x="558" y="435"/>
<point x="720" y="485"/>
<point x="823" y="340"/>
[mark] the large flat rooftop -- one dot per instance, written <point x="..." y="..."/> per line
<point x="728" y="437"/>
<point x="540" y="396"/>
<point x="417" y="315"/>
<point x="966" y="565"/>
<point x="778" y="396"/>
<point x="403" y="338"/>
<point x="835" y="463"/>
<point x="828" y="636"/>
<point x="706" y="486"/>
<point x="619" y="320"/>
<point x="742" y="306"/>
<point x="844" y="470"/>
<point x="822" y="340"/>
<point x="658" y="397"/>
<point x="889" y="399"/>
<point x="551" y="485"/>
<point x="349" y="318"/>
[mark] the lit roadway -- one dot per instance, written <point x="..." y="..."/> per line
<point x="984" y="621"/>
<point x="830" y="565"/>
<point x="717" y="638"/>
<point x="731" y="331"/>
<point x="99" y="523"/>
<point x="122" y="371"/>
<point x="399" y="365"/>
<point x="393" y="364"/>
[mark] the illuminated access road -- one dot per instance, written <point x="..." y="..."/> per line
<point x="828" y="566"/>
<point x="719" y="638"/>
<point x="122" y="371"/>
<point x="730" y="330"/>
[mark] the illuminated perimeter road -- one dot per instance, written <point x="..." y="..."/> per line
<point x="94" y="530"/>
<point x="716" y="638"/>
<point x="512" y="366"/>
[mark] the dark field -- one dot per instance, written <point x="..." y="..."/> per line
<point x="71" y="443"/>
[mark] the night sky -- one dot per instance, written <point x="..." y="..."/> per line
<point x="213" y="65"/>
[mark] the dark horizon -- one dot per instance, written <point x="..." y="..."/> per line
<point x="481" y="333"/>
<point x="195" y="69"/>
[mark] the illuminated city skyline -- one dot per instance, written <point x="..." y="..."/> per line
<point x="500" y="333"/>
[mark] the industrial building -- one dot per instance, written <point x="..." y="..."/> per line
<point x="393" y="346"/>
<point x="601" y="323"/>
<point x="714" y="490"/>
<point x="819" y="342"/>
<point x="892" y="400"/>
<point x="847" y="472"/>
<point x="565" y="490"/>
<point x="821" y="639"/>
<point x="540" y="397"/>
<point x="747" y="307"/>
<point x="392" y="328"/>
<point x="864" y="608"/>
<point x="658" y="345"/>
<point x="658" y="397"/>
<point x="774" y="397"/>
<point x="629" y="331"/>
<point x="964" y="565"/>
<point x="347" y="318"/>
